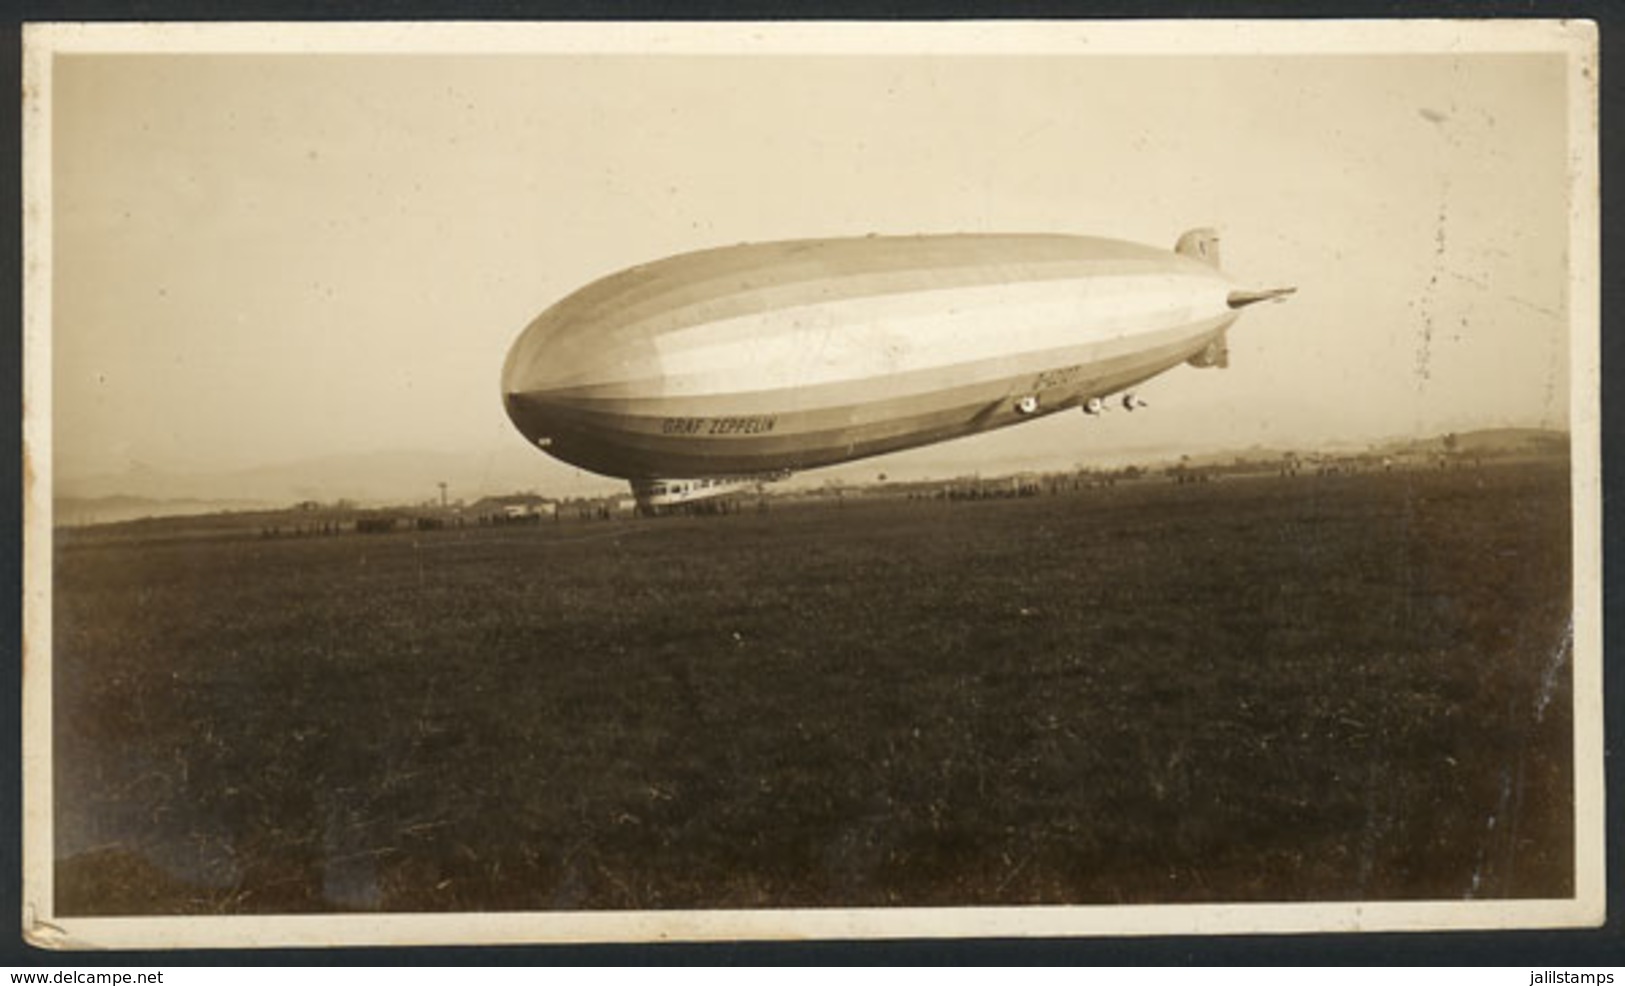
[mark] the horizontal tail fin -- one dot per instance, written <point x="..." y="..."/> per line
<point x="1215" y="354"/>
<point x="1241" y="299"/>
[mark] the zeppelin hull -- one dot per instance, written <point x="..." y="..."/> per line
<point x="698" y="437"/>
<point x="776" y="357"/>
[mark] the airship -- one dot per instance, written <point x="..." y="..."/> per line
<point x="708" y="372"/>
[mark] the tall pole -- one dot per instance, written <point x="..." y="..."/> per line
<point x="442" y="495"/>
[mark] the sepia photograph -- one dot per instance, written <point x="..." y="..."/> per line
<point x="584" y="482"/>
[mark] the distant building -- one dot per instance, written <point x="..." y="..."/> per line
<point x="513" y="508"/>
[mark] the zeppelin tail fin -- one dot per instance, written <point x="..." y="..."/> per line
<point x="1241" y="299"/>
<point x="1200" y="244"/>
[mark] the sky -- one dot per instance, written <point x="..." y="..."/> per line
<point x="263" y="258"/>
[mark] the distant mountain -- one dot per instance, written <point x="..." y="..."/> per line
<point x="1483" y="441"/>
<point x="78" y="512"/>
<point x="366" y="478"/>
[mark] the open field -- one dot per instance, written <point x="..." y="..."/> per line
<point x="1319" y="688"/>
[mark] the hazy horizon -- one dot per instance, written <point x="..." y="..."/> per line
<point x="264" y="259"/>
<point x="401" y="477"/>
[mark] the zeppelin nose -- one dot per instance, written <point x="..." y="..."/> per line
<point x="520" y="373"/>
<point x="529" y="417"/>
<point x="545" y="359"/>
<point x="514" y="403"/>
<point x="517" y="371"/>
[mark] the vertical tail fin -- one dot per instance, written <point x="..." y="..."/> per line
<point x="1200" y="244"/>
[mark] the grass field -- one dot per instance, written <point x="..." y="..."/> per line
<point x="1321" y="688"/>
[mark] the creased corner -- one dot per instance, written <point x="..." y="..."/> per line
<point x="41" y="933"/>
